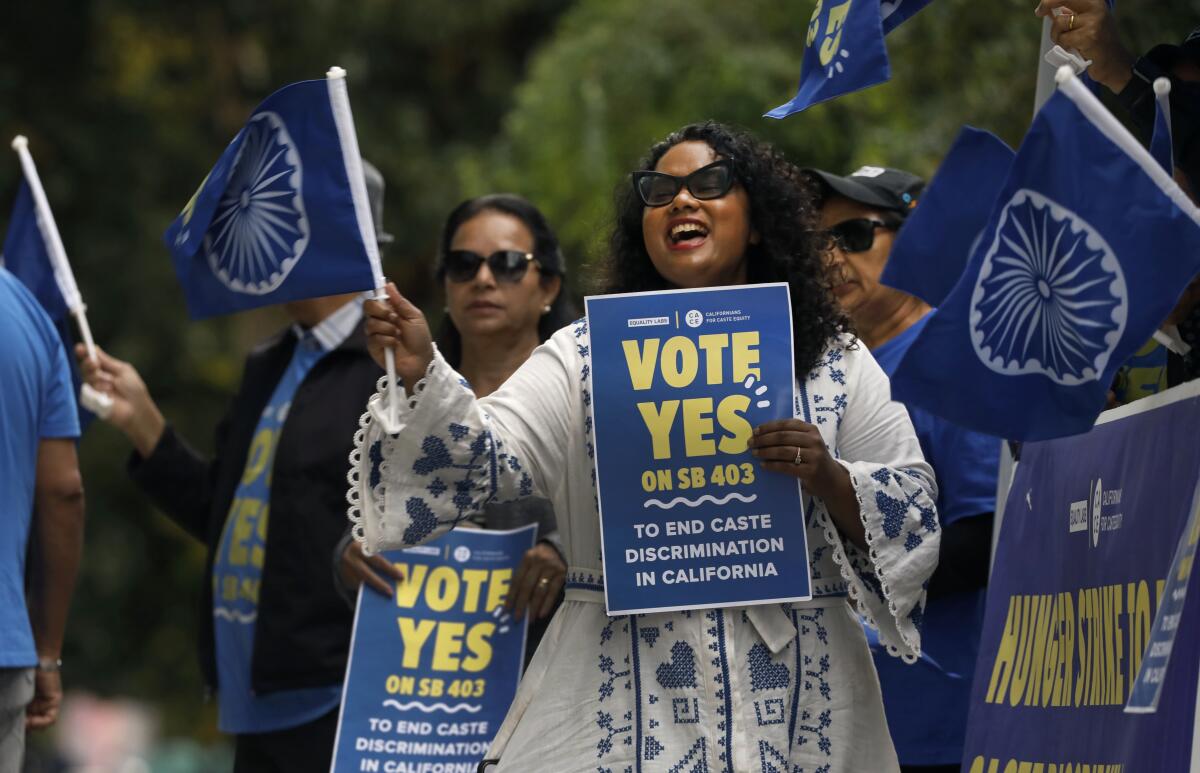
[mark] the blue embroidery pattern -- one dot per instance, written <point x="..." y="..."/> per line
<point x="771" y="760"/>
<point x="769" y="712"/>
<point x="376" y="457"/>
<point x="685" y="711"/>
<point x="607" y="668"/>
<point x="680" y="671"/>
<point x="765" y="675"/>
<point x="605" y="721"/>
<point x="696" y="757"/>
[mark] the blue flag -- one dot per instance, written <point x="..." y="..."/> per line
<point x="844" y="49"/>
<point x="1160" y="140"/>
<point x="1088" y="246"/>
<point x="277" y="219"/>
<point x="932" y="248"/>
<point x="26" y="256"/>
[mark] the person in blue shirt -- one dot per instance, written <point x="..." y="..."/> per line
<point x="41" y="516"/>
<point x="926" y="703"/>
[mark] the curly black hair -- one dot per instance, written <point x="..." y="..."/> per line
<point x="782" y="212"/>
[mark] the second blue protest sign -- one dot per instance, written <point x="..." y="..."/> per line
<point x="432" y="671"/>
<point x="679" y="380"/>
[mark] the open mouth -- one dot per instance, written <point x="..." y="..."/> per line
<point x="687" y="235"/>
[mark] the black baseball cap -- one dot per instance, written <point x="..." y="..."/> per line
<point x="1167" y="55"/>
<point x="892" y="189"/>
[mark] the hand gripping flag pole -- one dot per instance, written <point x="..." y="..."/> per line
<point x="95" y="401"/>
<point x="339" y="100"/>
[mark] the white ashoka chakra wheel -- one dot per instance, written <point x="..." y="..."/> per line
<point x="259" y="229"/>
<point x="1050" y="298"/>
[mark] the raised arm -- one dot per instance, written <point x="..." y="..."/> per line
<point x="177" y="478"/>
<point x="896" y="492"/>
<point x="453" y="454"/>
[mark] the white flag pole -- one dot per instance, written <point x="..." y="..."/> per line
<point x="1046" y="71"/>
<point x="339" y="101"/>
<point x="1162" y="94"/>
<point x="96" y="402"/>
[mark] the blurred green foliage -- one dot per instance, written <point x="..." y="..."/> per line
<point x="127" y="105"/>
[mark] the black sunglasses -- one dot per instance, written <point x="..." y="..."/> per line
<point x="658" y="189"/>
<point x="857" y="235"/>
<point x="505" y="265"/>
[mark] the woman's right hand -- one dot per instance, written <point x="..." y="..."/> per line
<point x="400" y="326"/>
<point x="133" y="412"/>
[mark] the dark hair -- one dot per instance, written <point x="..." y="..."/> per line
<point x="781" y="213"/>
<point x="545" y="250"/>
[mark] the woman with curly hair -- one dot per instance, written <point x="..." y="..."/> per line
<point x="777" y="687"/>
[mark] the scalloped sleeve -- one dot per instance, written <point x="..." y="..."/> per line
<point x="454" y="454"/>
<point x="896" y="493"/>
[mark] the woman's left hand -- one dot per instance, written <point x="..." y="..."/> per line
<point x="539" y="578"/>
<point x="795" y="447"/>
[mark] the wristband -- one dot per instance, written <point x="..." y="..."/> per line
<point x="49" y="665"/>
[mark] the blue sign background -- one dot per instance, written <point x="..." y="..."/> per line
<point x="395" y="713"/>
<point x="1147" y="689"/>
<point x="1060" y="536"/>
<point x="734" y="484"/>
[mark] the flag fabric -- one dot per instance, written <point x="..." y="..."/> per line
<point x="932" y="248"/>
<point x="1087" y="248"/>
<point x="278" y="219"/>
<point x="844" y="49"/>
<point x="1160" y="140"/>
<point x="896" y="12"/>
<point x="26" y="255"/>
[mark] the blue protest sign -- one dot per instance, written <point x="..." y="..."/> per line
<point x="679" y="379"/>
<point x="1089" y="529"/>
<point x="1148" y="683"/>
<point x="844" y="49"/>
<point x="432" y="672"/>
<point x="278" y="218"/>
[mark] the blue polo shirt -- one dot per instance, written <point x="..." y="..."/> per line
<point x="926" y="702"/>
<point x="37" y="402"/>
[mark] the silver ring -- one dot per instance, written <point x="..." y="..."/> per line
<point x="799" y="459"/>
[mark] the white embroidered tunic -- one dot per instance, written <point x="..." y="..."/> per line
<point x="784" y="688"/>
